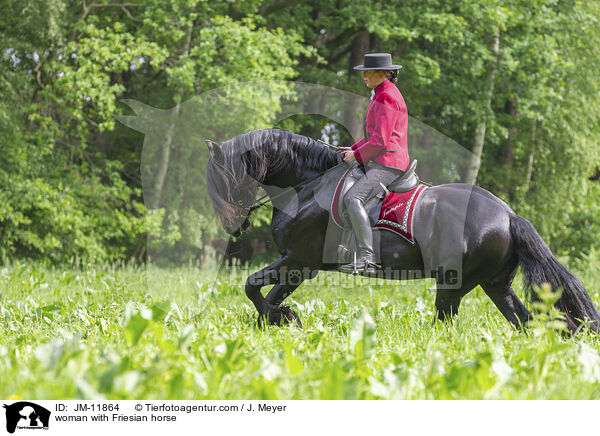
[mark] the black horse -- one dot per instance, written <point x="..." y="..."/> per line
<point x="489" y="240"/>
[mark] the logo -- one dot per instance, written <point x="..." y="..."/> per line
<point x="26" y="415"/>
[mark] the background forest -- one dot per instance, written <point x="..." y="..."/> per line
<point x="515" y="82"/>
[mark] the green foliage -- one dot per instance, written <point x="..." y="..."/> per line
<point x="362" y="336"/>
<point x="70" y="183"/>
<point x="111" y="333"/>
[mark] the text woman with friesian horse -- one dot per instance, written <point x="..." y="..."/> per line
<point x="489" y="240"/>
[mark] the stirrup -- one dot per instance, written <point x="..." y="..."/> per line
<point x="366" y="268"/>
<point x="350" y="267"/>
<point x="355" y="267"/>
<point x="370" y="268"/>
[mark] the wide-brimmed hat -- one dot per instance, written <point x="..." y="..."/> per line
<point x="377" y="61"/>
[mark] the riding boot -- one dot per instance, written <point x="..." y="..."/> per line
<point x="364" y="235"/>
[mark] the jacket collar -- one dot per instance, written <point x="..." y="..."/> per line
<point x="382" y="85"/>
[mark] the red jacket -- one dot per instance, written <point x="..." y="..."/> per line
<point x="387" y="126"/>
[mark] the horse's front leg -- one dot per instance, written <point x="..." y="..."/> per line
<point x="266" y="276"/>
<point x="287" y="276"/>
<point x="277" y="314"/>
<point x="290" y="277"/>
<point x="276" y="273"/>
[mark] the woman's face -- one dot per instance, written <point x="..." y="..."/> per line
<point x="373" y="77"/>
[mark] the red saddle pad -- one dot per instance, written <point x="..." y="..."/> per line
<point x="396" y="213"/>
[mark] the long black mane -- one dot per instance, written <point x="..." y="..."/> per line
<point x="268" y="156"/>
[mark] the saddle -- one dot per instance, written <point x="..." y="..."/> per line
<point x="403" y="183"/>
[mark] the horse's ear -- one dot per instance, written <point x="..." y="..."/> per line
<point x="215" y="150"/>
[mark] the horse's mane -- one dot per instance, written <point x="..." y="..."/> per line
<point x="248" y="157"/>
<point x="279" y="151"/>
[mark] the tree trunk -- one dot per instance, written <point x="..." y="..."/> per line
<point x="353" y="121"/>
<point x="163" y="167"/>
<point x="479" y="140"/>
<point x="530" y="162"/>
<point x="165" y="154"/>
<point x="509" y="150"/>
<point x="511" y="110"/>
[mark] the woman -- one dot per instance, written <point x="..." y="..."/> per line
<point x="383" y="151"/>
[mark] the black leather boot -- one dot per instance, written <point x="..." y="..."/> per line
<point x="365" y="262"/>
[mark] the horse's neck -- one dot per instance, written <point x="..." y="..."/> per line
<point x="287" y="171"/>
<point x="290" y="200"/>
<point x="287" y="178"/>
<point x="287" y="163"/>
<point x="320" y="188"/>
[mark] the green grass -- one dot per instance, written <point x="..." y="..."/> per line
<point x="109" y="333"/>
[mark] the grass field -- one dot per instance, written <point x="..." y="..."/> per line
<point x="107" y="333"/>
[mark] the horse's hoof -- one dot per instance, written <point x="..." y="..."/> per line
<point x="279" y="315"/>
<point x="290" y="316"/>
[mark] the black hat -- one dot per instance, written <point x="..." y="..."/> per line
<point x="378" y="61"/>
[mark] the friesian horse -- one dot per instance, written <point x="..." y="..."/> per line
<point x="490" y="239"/>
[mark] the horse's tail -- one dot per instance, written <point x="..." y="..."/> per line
<point x="540" y="266"/>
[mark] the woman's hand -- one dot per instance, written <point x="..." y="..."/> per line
<point x="349" y="155"/>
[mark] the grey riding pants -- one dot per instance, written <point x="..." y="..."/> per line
<point x="369" y="185"/>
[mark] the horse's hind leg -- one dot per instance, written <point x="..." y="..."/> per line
<point x="508" y="303"/>
<point x="447" y="302"/>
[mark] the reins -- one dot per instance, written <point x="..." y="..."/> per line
<point x="270" y="199"/>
